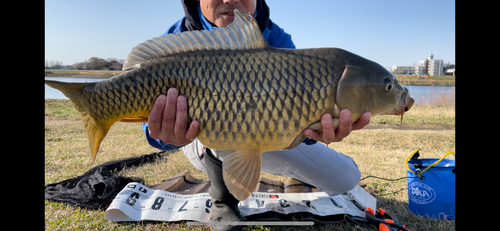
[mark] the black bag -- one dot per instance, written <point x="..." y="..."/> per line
<point x="97" y="188"/>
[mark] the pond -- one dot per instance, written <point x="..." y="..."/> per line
<point x="419" y="93"/>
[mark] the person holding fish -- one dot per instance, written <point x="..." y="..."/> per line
<point x="252" y="98"/>
<point x="311" y="161"/>
<point x="252" y="102"/>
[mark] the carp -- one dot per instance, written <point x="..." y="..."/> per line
<point x="247" y="96"/>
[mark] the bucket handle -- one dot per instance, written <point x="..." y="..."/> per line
<point x="421" y="172"/>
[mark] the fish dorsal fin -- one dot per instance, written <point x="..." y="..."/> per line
<point x="243" y="33"/>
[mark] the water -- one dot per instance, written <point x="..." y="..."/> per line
<point x="425" y="93"/>
<point x="51" y="93"/>
<point x="417" y="92"/>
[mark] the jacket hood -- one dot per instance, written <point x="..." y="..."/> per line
<point x="193" y="18"/>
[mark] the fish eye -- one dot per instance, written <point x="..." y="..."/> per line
<point x="388" y="84"/>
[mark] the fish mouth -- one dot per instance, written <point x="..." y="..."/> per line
<point x="403" y="105"/>
<point x="407" y="104"/>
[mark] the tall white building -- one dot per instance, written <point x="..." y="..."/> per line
<point x="435" y="66"/>
<point x="430" y="66"/>
<point x="420" y="67"/>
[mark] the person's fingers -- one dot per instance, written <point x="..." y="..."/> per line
<point x="329" y="135"/>
<point x="168" y="120"/>
<point x="328" y="130"/>
<point x="181" y="118"/>
<point x="155" y="116"/>
<point x="312" y="134"/>
<point x="193" y="130"/>
<point x="362" y="121"/>
<point x="315" y="135"/>
<point x="344" y="125"/>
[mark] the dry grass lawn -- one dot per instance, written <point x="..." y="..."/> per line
<point x="379" y="149"/>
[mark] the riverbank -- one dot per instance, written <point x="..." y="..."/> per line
<point x="404" y="80"/>
<point x="379" y="149"/>
<point x="430" y="81"/>
<point x="82" y="74"/>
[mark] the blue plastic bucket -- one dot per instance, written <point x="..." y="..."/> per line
<point x="434" y="196"/>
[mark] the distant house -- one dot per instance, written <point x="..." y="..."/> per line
<point x="449" y="69"/>
<point x="404" y="70"/>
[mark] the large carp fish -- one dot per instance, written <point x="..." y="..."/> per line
<point x="247" y="96"/>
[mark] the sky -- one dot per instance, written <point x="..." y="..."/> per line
<point x="389" y="32"/>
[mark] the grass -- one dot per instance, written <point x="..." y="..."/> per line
<point x="420" y="117"/>
<point x="430" y="81"/>
<point x="379" y="149"/>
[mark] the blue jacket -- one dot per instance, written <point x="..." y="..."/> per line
<point x="194" y="20"/>
<point x="273" y="34"/>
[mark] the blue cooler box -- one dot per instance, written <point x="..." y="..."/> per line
<point x="434" y="196"/>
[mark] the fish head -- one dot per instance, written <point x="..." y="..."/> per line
<point x="367" y="86"/>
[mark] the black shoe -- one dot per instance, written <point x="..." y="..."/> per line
<point x="224" y="204"/>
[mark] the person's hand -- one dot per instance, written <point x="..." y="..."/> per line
<point x="329" y="135"/>
<point x="168" y="120"/>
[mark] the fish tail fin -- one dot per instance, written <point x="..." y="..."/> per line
<point x="95" y="131"/>
<point x="241" y="172"/>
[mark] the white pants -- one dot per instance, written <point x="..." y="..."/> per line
<point x="315" y="164"/>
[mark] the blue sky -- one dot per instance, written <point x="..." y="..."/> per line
<point x="390" y="32"/>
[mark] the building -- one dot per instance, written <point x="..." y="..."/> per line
<point x="404" y="70"/>
<point x="435" y="66"/>
<point x="449" y="69"/>
<point x="420" y="68"/>
<point x="430" y="66"/>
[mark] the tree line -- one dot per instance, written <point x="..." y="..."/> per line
<point x="94" y="63"/>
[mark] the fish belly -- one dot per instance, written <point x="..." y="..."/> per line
<point x="244" y="99"/>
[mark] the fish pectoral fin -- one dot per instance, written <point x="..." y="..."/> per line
<point x="135" y="119"/>
<point x="301" y="137"/>
<point x="319" y="128"/>
<point x="241" y="172"/>
<point x="316" y="126"/>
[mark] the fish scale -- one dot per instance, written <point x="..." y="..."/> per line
<point x="236" y="108"/>
<point x="247" y="96"/>
<point x="234" y="99"/>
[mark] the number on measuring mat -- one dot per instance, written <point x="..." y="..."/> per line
<point x="182" y="207"/>
<point x="132" y="199"/>
<point x="157" y="204"/>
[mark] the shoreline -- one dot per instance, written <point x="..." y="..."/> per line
<point x="429" y="83"/>
<point x="83" y="74"/>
